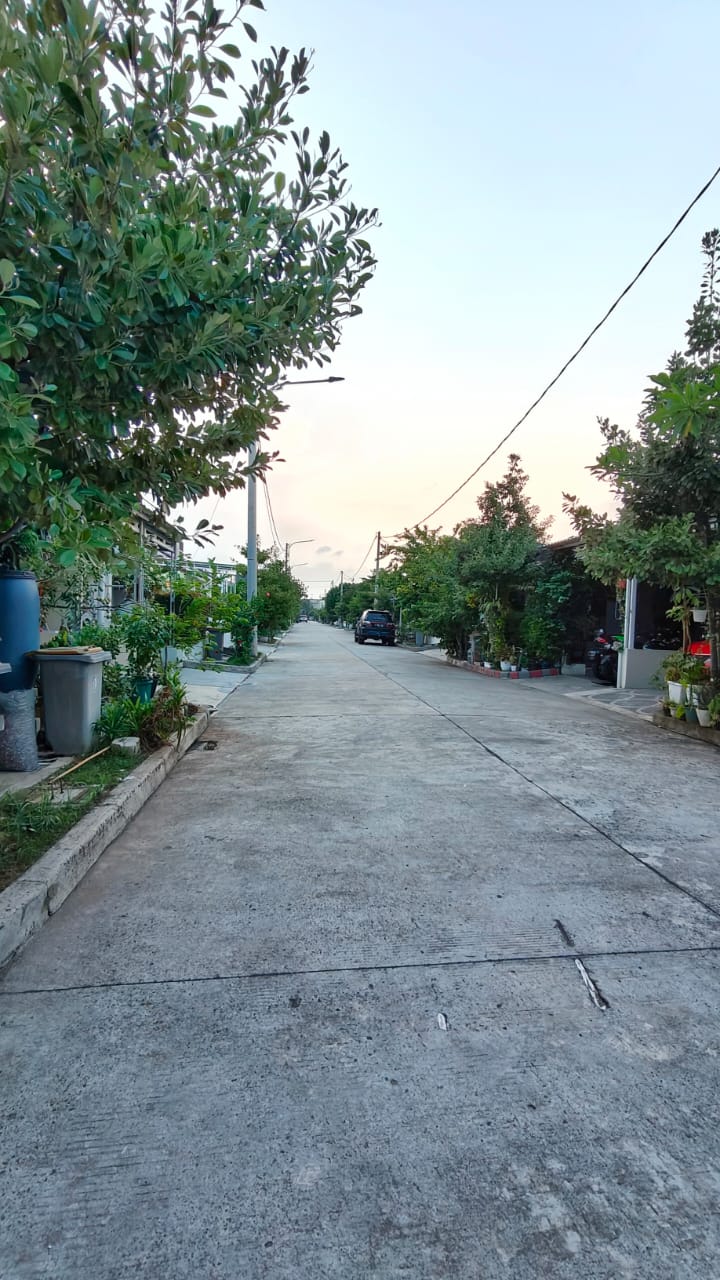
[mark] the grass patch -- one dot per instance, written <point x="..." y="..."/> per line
<point x="31" y="821"/>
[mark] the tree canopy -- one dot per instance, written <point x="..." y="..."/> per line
<point x="159" y="273"/>
<point x="453" y="585"/>
<point x="666" y="474"/>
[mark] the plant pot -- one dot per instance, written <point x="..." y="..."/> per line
<point x="72" y="698"/>
<point x="676" y="692"/>
<point x="513" y="666"/>
<point x="691" y="715"/>
<point x="699" y="615"/>
<point x="504" y="666"/>
<point x="214" y="643"/>
<point x="487" y="666"/>
<point x="703" y="717"/>
<point x="144" y="690"/>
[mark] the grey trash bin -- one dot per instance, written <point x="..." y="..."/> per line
<point x="71" y="685"/>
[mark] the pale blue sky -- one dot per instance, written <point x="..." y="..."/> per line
<point x="525" y="159"/>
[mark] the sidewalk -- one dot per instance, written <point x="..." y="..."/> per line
<point x="629" y="702"/>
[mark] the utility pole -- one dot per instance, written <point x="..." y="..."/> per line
<point x="252" y="544"/>
<point x="342" y="615"/>
<point x="377" y="571"/>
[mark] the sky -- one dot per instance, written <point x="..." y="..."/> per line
<point x="525" y="159"/>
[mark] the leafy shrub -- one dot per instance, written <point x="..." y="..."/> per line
<point x="685" y="668"/>
<point x="108" y="638"/>
<point x="714" y="709"/>
<point x="242" y="623"/>
<point x="116" y="720"/>
<point x="145" y="631"/>
<point x="155" y="723"/>
<point x="116" y="680"/>
<point x="91" y="634"/>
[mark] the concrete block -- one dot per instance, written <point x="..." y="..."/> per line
<point x="23" y="909"/>
<point x="65" y="864"/>
<point x="130" y="746"/>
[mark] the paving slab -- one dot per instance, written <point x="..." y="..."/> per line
<point x="11" y="781"/>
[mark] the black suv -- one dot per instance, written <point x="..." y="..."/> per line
<point x="375" y="624"/>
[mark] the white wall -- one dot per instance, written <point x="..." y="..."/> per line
<point x="636" y="667"/>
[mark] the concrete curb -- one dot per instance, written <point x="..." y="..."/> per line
<point x="219" y="668"/>
<point x="478" y="670"/>
<point x="697" y="732"/>
<point x="38" y="893"/>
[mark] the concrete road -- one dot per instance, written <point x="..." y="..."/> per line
<point x="414" y="974"/>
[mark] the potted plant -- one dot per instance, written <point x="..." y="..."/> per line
<point x="146" y="631"/>
<point x="705" y="696"/>
<point x="674" y="669"/>
<point x="714" y="710"/>
<point x="695" y="674"/>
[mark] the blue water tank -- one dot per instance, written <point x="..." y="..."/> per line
<point x="19" y="627"/>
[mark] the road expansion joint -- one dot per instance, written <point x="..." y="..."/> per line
<point x="263" y="975"/>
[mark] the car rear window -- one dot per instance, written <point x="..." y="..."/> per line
<point x="371" y="616"/>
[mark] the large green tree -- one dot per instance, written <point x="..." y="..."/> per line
<point x="429" y="589"/>
<point x="159" y="273"/>
<point x="497" y="554"/>
<point x="277" y="602"/>
<point x="452" y="585"/>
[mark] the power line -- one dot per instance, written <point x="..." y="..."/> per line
<point x="367" y="553"/>
<point x="267" y="511"/>
<point x="272" y="514"/>
<point x="575" y="354"/>
<point x="271" y="518"/>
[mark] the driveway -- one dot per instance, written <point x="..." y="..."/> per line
<point x="412" y="974"/>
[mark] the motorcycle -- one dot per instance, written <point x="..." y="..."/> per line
<point x="603" y="658"/>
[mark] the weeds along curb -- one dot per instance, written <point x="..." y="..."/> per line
<point x="38" y="893"/>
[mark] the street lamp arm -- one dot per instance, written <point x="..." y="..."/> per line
<point x="306" y="382"/>
<point x="297" y="543"/>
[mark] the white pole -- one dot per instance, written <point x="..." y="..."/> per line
<point x="631" y="586"/>
<point x="252" y="543"/>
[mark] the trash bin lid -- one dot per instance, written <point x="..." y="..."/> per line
<point x="70" y="655"/>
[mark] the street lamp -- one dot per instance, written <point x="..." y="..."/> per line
<point x="297" y="543"/>
<point x="251" y="590"/>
